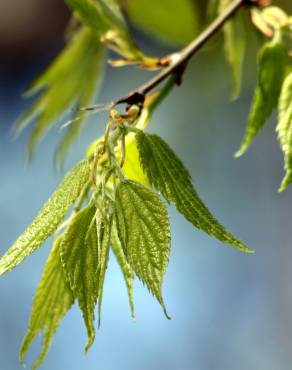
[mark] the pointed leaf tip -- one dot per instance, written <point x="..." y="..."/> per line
<point x="272" y="63"/>
<point x="52" y="301"/>
<point x="104" y="229"/>
<point x="79" y="255"/>
<point x="124" y="265"/>
<point x="284" y="128"/>
<point x="144" y="232"/>
<point x="168" y="175"/>
<point x="49" y="217"/>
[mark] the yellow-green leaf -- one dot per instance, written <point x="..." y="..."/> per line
<point x="168" y="175"/>
<point x="284" y="128"/>
<point x="144" y="232"/>
<point x="132" y="168"/>
<point x="52" y="301"/>
<point x="49" y="217"/>
<point x="175" y="21"/>
<point x="272" y="62"/>
<point x="79" y="254"/>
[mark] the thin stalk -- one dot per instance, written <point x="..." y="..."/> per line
<point x="185" y="54"/>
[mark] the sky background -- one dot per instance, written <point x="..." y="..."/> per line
<point x="230" y="311"/>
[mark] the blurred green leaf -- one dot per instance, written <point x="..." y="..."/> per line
<point x="284" y="128"/>
<point x="144" y="232"/>
<point x="79" y="254"/>
<point x="272" y="63"/>
<point x="212" y="9"/>
<point x="64" y="84"/>
<point x="234" y="46"/>
<point x="52" y="300"/>
<point x="106" y="19"/>
<point x="49" y="217"/>
<point x="168" y="175"/>
<point x="101" y="15"/>
<point x="175" y="21"/>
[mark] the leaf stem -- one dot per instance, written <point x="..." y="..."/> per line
<point x="182" y="58"/>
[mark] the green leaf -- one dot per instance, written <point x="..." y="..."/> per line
<point x="272" y="61"/>
<point x="88" y="90"/>
<point x="144" y="232"/>
<point x="124" y="265"/>
<point x="168" y="175"/>
<point x="52" y="301"/>
<point x="212" y="9"/>
<point x="132" y="168"/>
<point x="101" y="15"/>
<point x="104" y="226"/>
<point x="63" y="85"/>
<point x="49" y="217"/>
<point x="284" y="128"/>
<point x="175" y="21"/>
<point x="79" y="254"/>
<point x="106" y="19"/>
<point x="234" y="46"/>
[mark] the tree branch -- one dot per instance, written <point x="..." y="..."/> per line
<point x="183" y="57"/>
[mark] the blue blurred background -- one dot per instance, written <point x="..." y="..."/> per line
<point x="229" y="311"/>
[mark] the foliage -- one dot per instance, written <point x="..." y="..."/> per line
<point x="159" y="23"/>
<point x="52" y="301"/>
<point x="83" y="55"/>
<point x="115" y="193"/>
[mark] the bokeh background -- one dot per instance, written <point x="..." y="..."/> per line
<point x="229" y="311"/>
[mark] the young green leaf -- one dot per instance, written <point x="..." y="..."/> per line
<point x="52" y="301"/>
<point x="49" y="217"/>
<point x="64" y="84"/>
<point x="272" y="61"/>
<point x="104" y="226"/>
<point x="234" y="46"/>
<point x="88" y="90"/>
<point x="105" y="18"/>
<point x="284" y="128"/>
<point x="168" y="175"/>
<point x="124" y="265"/>
<point x="132" y="168"/>
<point x="144" y="232"/>
<point x="175" y="21"/>
<point x="79" y="255"/>
<point x="101" y="15"/>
